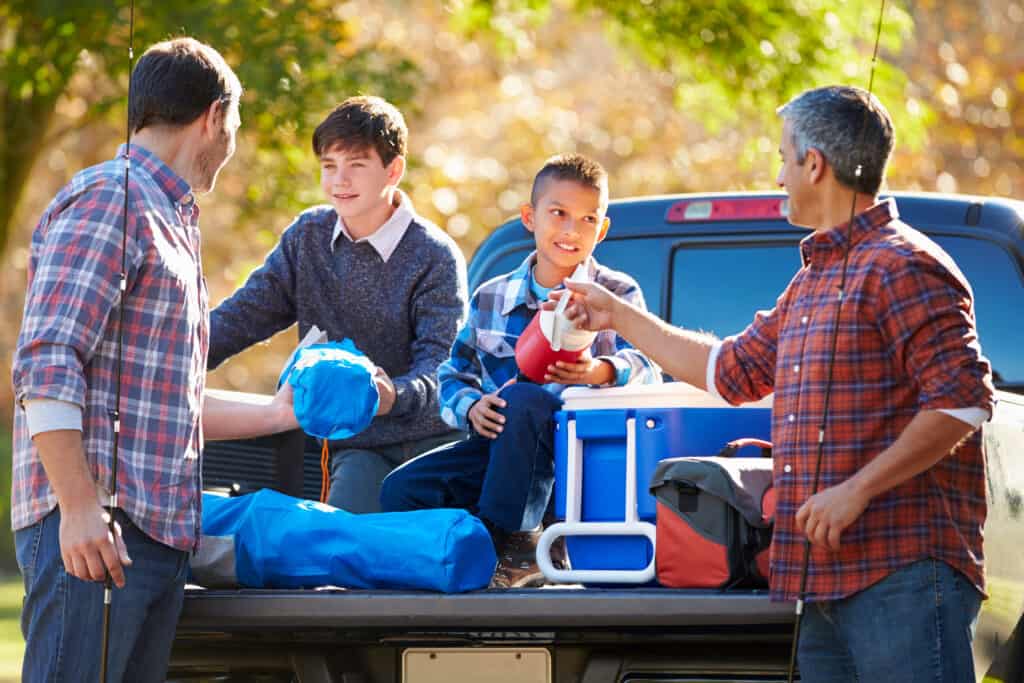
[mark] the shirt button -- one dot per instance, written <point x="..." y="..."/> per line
<point x="787" y="469"/>
<point x="803" y="320"/>
<point x="791" y="418"/>
<point x="796" y="368"/>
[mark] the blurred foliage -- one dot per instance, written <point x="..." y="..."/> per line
<point x="728" y="60"/>
<point x="293" y="57"/>
<point x="968" y="67"/>
<point x="8" y="564"/>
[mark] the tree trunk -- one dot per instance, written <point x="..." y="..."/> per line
<point x="25" y="122"/>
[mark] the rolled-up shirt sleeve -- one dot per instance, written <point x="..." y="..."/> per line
<point x="972" y="416"/>
<point x="744" y="364"/>
<point x="46" y="415"/>
<point x="73" y="290"/>
<point x="928" y="323"/>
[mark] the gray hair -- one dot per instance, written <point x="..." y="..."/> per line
<point x="849" y="127"/>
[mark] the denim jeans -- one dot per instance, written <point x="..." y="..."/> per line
<point x="62" y="616"/>
<point x="914" y="626"/>
<point x="506" y="480"/>
<point x="357" y="473"/>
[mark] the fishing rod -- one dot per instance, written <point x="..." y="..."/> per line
<point x="115" y="412"/>
<point x="841" y="295"/>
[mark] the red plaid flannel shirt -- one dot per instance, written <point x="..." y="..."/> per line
<point x="907" y="342"/>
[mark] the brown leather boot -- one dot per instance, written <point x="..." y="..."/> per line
<point x="517" y="566"/>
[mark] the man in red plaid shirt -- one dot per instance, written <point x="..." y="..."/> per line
<point x="184" y="113"/>
<point x="896" y="577"/>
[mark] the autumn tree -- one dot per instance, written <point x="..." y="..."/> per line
<point x="287" y="53"/>
<point x="726" y="59"/>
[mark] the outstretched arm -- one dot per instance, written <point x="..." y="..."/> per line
<point x="681" y="353"/>
<point x="242" y="416"/>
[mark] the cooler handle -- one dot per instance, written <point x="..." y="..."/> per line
<point x="730" y="448"/>
<point x="573" y="526"/>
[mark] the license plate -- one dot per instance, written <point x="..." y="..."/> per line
<point x="477" y="664"/>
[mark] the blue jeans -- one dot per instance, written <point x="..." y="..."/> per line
<point x="506" y="480"/>
<point x="914" y="626"/>
<point x="357" y="473"/>
<point x="62" y="616"/>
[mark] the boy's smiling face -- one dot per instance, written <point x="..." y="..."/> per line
<point x="567" y="222"/>
<point x="359" y="185"/>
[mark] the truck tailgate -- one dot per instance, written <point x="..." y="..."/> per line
<point x="533" y="609"/>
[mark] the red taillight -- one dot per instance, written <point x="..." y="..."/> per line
<point x="694" y="210"/>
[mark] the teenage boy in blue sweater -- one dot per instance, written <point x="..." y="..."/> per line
<point x="366" y="267"/>
<point x="505" y="471"/>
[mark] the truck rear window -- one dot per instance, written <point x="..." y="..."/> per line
<point x="718" y="288"/>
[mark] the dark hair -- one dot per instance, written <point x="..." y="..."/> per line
<point x="175" y="81"/>
<point x="574" y="167"/>
<point x="849" y="127"/>
<point x="360" y="123"/>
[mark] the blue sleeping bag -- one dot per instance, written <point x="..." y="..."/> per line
<point x="269" y="540"/>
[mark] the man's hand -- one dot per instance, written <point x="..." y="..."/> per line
<point x="386" y="390"/>
<point x="592" y="307"/>
<point x="586" y="370"/>
<point x="826" y="514"/>
<point x="485" y="416"/>
<point x="88" y="548"/>
<point x="283" y="407"/>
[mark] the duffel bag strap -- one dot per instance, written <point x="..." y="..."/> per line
<point x="732" y="447"/>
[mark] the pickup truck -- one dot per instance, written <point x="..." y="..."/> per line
<point x="704" y="261"/>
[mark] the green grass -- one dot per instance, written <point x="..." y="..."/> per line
<point x="1005" y="599"/>
<point x="12" y="646"/>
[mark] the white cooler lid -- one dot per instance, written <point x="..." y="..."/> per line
<point x="667" y="395"/>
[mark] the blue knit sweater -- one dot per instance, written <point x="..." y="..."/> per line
<point x="402" y="313"/>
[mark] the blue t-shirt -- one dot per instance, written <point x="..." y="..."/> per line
<point x="537" y="289"/>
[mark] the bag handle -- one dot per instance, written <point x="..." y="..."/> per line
<point x="730" y="449"/>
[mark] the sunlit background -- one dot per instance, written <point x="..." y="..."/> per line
<point x="670" y="96"/>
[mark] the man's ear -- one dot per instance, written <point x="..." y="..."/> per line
<point x="396" y="169"/>
<point x="605" y="224"/>
<point x="526" y="213"/>
<point x="815" y="165"/>
<point x="213" y="120"/>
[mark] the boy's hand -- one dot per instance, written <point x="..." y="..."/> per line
<point x="386" y="390"/>
<point x="587" y="370"/>
<point x="592" y="307"/>
<point x="485" y="416"/>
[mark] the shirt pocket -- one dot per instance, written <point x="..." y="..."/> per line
<point x="497" y="344"/>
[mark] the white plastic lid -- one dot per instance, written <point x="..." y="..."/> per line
<point x="668" y="395"/>
<point x="572" y="339"/>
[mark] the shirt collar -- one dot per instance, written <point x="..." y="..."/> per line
<point x="819" y="247"/>
<point x="384" y="239"/>
<point x="173" y="185"/>
<point x="517" y="290"/>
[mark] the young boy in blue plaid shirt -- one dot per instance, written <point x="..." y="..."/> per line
<point x="505" y="471"/>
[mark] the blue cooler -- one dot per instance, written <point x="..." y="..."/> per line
<point x="608" y="509"/>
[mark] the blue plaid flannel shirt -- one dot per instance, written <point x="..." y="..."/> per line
<point x="483" y="355"/>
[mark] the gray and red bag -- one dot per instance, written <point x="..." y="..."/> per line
<point x="714" y="519"/>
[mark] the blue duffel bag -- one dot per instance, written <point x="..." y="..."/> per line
<point x="269" y="540"/>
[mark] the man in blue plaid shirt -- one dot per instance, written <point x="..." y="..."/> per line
<point x="504" y="472"/>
